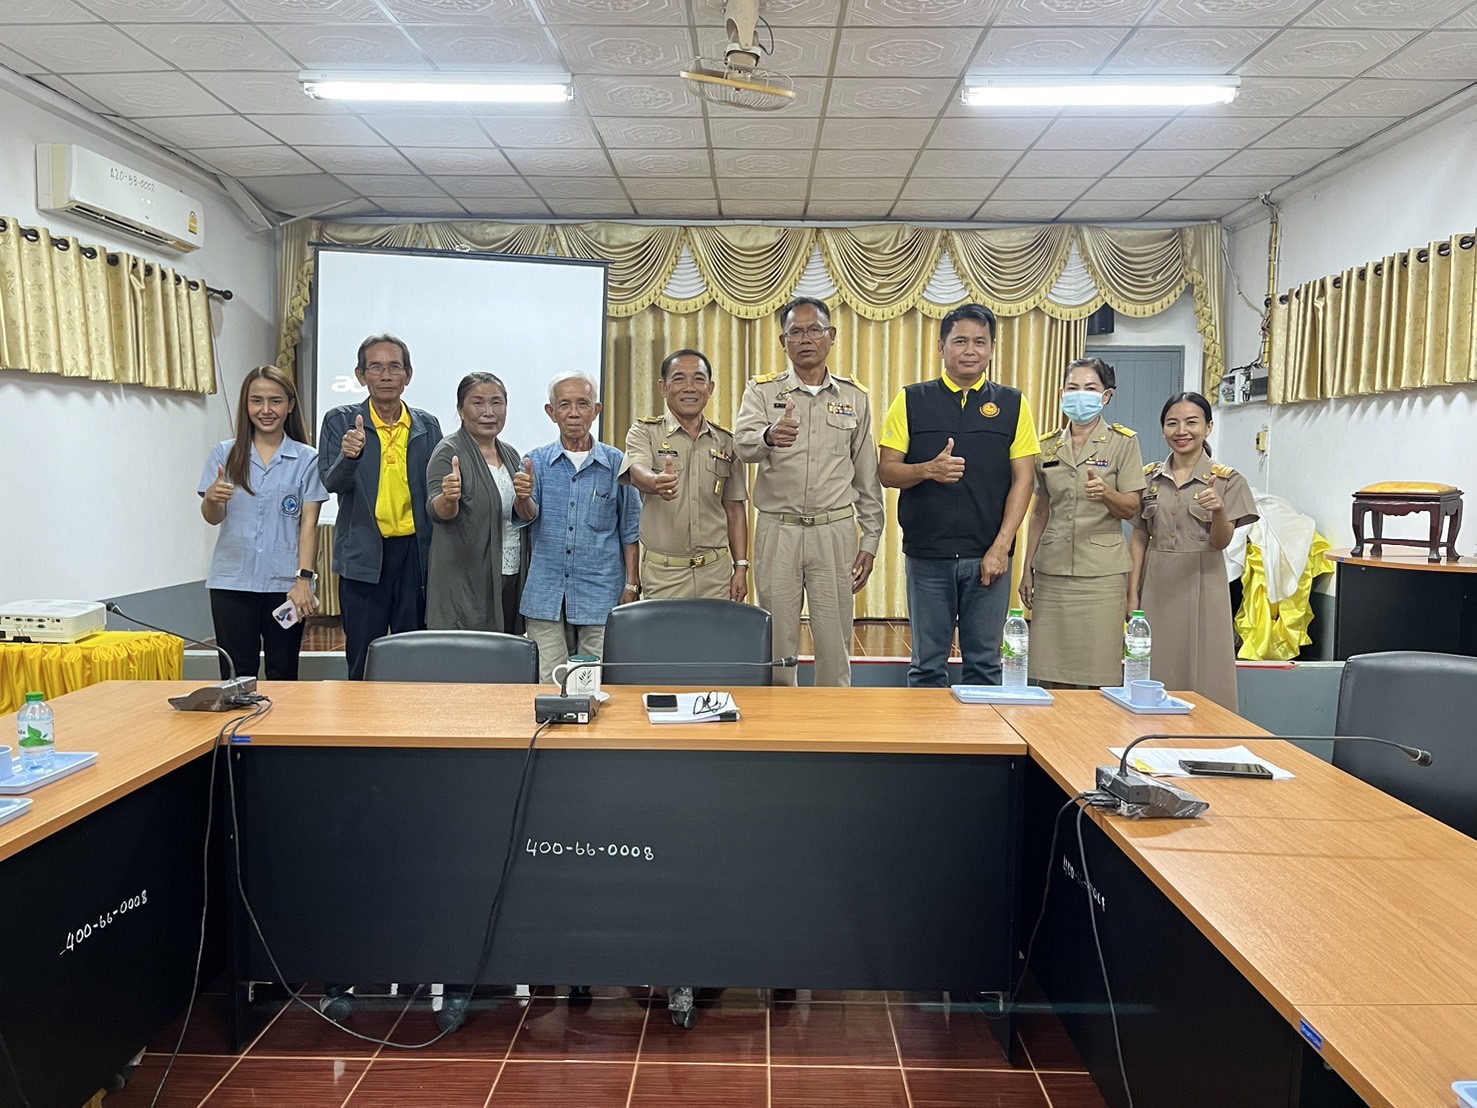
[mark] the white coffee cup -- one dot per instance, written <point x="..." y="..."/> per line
<point x="583" y="671"/>
<point x="1147" y="693"/>
<point x="4" y="762"/>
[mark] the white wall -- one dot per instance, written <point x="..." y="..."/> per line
<point x="1320" y="452"/>
<point x="98" y="491"/>
<point x="1173" y="327"/>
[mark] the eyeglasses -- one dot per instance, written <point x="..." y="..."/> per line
<point x="710" y="703"/>
<point x="814" y="331"/>
<point x="394" y="369"/>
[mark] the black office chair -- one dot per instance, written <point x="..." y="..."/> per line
<point x="661" y="632"/>
<point x="459" y="657"/>
<point x="1423" y="700"/>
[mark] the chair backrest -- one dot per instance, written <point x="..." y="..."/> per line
<point x="661" y="632"/>
<point x="461" y="657"/>
<point x="1422" y="700"/>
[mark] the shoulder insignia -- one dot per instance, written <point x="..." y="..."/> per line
<point x="765" y="378"/>
<point x="1122" y="430"/>
<point x="1150" y="468"/>
<point x="720" y="430"/>
<point x="649" y="419"/>
<point x="852" y="381"/>
<point x="1218" y="470"/>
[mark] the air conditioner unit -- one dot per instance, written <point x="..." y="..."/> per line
<point x="79" y="182"/>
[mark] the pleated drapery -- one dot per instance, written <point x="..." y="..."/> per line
<point x="82" y="311"/>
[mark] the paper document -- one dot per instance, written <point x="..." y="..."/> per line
<point x="1164" y="761"/>
<point x="709" y="707"/>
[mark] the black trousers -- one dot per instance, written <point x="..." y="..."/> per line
<point x="244" y="629"/>
<point x="394" y="603"/>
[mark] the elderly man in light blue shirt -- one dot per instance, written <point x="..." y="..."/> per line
<point x="585" y="527"/>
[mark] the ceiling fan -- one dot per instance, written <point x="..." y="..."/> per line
<point x="736" y="79"/>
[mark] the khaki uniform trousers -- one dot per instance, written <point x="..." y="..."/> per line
<point x="708" y="581"/>
<point x="557" y="640"/>
<point x="795" y="564"/>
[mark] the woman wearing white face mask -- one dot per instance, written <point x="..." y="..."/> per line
<point x="1088" y="478"/>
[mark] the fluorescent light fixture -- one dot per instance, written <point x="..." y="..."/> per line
<point x="1098" y="92"/>
<point x="435" y="88"/>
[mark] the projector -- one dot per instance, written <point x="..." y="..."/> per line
<point x="50" y="620"/>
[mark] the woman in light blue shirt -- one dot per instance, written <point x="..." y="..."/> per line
<point x="262" y="489"/>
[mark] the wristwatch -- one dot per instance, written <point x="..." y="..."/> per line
<point x="307" y="575"/>
<point x="741" y="564"/>
<point x="633" y="588"/>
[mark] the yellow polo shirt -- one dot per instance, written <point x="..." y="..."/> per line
<point x="392" y="506"/>
<point x="895" y="425"/>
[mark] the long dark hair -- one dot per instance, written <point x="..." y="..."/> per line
<point x="1189" y="398"/>
<point x="238" y="461"/>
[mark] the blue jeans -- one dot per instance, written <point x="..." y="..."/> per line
<point x="943" y="593"/>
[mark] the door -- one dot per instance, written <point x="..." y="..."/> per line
<point x="1147" y="377"/>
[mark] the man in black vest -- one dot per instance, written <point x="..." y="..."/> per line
<point x="961" y="449"/>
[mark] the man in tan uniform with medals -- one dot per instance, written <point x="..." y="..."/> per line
<point x="694" y="520"/>
<point x="816" y="491"/>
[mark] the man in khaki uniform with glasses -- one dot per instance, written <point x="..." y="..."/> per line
<point x="694" y="491"/>
<point x="816" y="490"/>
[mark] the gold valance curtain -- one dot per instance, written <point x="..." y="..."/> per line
<point x="1403" y="322"/>
<point x="81" y="311"/>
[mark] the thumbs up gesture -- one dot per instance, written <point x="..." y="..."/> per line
<point x="221" y="489"/>
<point x="666" y="482"/>
<point x="353" y="444"/>
<point x="1096" y="486"/>
<point x="451" y="484"/>
<point x="787" y="429"/>
<point x="523" y="481"/>
<point x="1209" y="499"/>
<point x="946" y="469"/>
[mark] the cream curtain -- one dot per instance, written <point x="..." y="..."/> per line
<point x="80" y="311"/>
<point x="1403" y="322"/>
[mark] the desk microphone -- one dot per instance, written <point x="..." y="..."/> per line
<point x="563" y="708"/>
<point x="1160" y="800"/>
<point x="224" y="696"/>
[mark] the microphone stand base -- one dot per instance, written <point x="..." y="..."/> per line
<point x="225" y="696"/>
<point x="1141" y="797"/>
<point x="558" y="708"/>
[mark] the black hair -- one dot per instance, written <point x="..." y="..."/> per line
<point x="686" y="353"/>
<point x="977" y="312"/>
<point x="375" y="340"/>
<point x="1188" y="398"/>
<point x="1105" y="375"/>
<point x="800" y="301"/>
<point x="472" y="380"/>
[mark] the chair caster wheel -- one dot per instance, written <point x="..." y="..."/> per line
<point x="337" y="1008"/>
<point x="686" y="1019"/>
<point x="453" y="1013"/>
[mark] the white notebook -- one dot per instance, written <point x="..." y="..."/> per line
<point x="709" y="707"/>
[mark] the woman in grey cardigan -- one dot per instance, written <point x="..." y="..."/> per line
<point x="479" y="560"/>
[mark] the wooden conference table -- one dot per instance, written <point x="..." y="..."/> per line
<point x="776" y="843"/>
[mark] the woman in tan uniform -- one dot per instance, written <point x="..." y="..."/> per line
<point x="1088" y="477"/>
<point x="1185" y="519"/>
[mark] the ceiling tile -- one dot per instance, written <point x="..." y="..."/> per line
<point x="419" y="130"/>
<point x="1467" y="19"/>
<point x="1186" y="50"/>
<point x="669" y="188"/>
<point x="1229" y="188"/>
<point x="635" y="96"/>
<point x="879" y="134"/>
<point x="477" y="47"/>
<point x="558" y="163"/>
<point x="380" y="184"/>
<point x="324" y="46"/>
<point x="315" y="11"/>
<point x="1136" y="188"/>
<point x="591" y="209"/>
<point x="1046" y="49"/>
<point x="318" y="130"/>
<point x="660" y="51"/>
<point x="863" y="163"/>
<point x="408" y="205"/>
<point x="201" y="132"/>
<point x="81" y="48"/>
<point x="1328" y="131"/>
<point x="1438" y="56"/>
<point x="949" y="188"/>
<point x="570" y="133"/>
<point x="907" y="53"/>
<point x="1325" y="52"/>
<point x="299" y="194"/>
<point x="619" y="133"/>
<point x="678" y="209"/>
<point x="873" y="97"/>
<point x="1090" y="13"/>
<point x="1066" y="163"/>
<point x="465" y="188"/>
<point x="456" y="160"/>
<point x="13" y="61"/>
<point x="44" y="11"/>
<point x="267" y="94"/>
<point x="1170" y="163"/>
<point x="511" y="208"/>
<point x="166" y="11"/>
<point x="856" y="188"/>
<point x="1017" y="210"/>
<point x="761" y="188"/>
<point x="999" y="132"/>
<point x="965" y="163"/>
<point x="1407" y="14"/>
<point x="460" y="11"/>
<point x="1194" y="209"/>
<point x="1098" y="133"/>
<point x="1092" y="210"/>
<point x="1373" y="97"/>
<point x="345" y="208"/>
<point x="1210" y="133"/>
<point x="621" y="13"/>
<point x="766" y="209"/>
<point x="762" y="163"/>
<point x="763" y="131"/>
<point x="1042" y="188"/>
<point x="848" y="209"/>
<point x="662" y="163"/>
<point x="357" y="159"/>
<point x="143" y="95"/>
<point x="579" y="188"/>
<point x="65" y="88"/>
<point x="798" y="51"/>
<point x="934" y="209"/>
<point x="211" y="46"/>
<point x="1271" y="163"/>
<point x="257" y="161"/>
<point x="1271" y="96"/>
<point x="1238" y="13"/>
<point x="920" y="13"/>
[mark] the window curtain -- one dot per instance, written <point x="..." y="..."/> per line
<point x="80" y="311"/>
<point x="1403" y="322"/>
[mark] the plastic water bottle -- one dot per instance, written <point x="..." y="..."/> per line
<point x="1137" y="640"/>
<point x="35" y="733"/>
<point x="1015" y="650"/>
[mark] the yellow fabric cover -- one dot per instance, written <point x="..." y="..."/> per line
<point x="1277" y="632"/>
<point x="1406" y="488"/>
<point x="57" y="668"/>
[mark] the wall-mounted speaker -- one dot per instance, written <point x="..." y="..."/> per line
<point x="1101" y="321"/>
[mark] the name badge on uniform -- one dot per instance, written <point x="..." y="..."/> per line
<point x="666" y="452"/>
<point x="1053" y="462"/>
<point x="841" y="408"/>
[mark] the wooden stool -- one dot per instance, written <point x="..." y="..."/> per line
<point x="1400" y="498"/>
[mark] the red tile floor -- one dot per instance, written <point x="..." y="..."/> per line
<point x="619" y="1049"/>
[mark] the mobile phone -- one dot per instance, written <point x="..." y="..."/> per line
<point x="285" y="614"/>
<point x="660" y="702"/>
<point x="1225" y="769"/>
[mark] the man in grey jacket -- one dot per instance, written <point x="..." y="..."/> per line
<point x="373" y="455"/>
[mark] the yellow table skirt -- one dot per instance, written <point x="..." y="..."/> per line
<point x="56" y="668"/>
